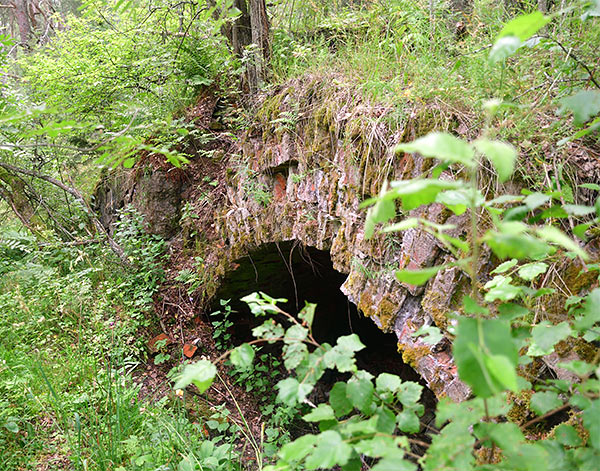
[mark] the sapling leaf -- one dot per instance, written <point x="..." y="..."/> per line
<point x="591" y="420"/>
<point x="505" y="266"/>
<point x="584" y="105"/>
<point x="531" y="270"/>
<point x="298" y="449"/>
<point x="503" y="48"/>
<point x="331" y="450"/>
<point x="555" y="235"/>
<point x="501" y="154"/>
<point x="545" y="335"/>
<point x="578" y="209"/>
<point x="525" y="26"/>
<point x="478" y="339"/>
<point x="360" y="393"/>
<point x="383" y="210"/>
<point x="339" y="400"/>
<point x="431" y="334"/>
<point x="442" y="146"/>
<point x="292" y="392"/>
<point x="567" y="435"/>
<point x="542" y="402"/>
<point x="242" y="356"/>
<point x="418" y="277"/>
<point x="202" y="374"/>
<point x="321" y="412"/>
<point x="307" y="314"/>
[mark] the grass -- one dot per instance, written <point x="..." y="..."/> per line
<point x="410" y="57"/>
<point x="69" y="323"/>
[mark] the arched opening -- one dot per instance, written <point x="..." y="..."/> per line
<point x="298" y="273"/>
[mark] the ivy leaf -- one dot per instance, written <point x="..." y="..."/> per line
<point x="418" y="277"/>
<point x="500" y="154"/>
<point x="584" y="105"/>
<point x="321" y="412"/>
<point x="531" y="270"/>
<point x="545" y="335"/>
<point x="478" y="345"/>
<point x="442" y="146"/>
<point x="292" y="392"/>
<point x="339" y="400"/>
<point x="542" y="402"/>
<point x="387" y="383"/>
<point x="294" y="334"/>
<point x="201" y="373"/>
<point x="242" y="356"/>
<point x="331" y="450"/>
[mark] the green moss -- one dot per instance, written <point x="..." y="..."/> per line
<point x="411" y="355"/>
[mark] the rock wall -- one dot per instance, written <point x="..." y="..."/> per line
<point x="311" y="154"/>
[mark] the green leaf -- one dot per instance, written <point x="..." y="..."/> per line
<point x="409" y="223"/>
<point x="590" y="186"/>
<point x="545" y="335"/>
<point x="11" y="426"/>
<point x="331" y="450"/>
<point x="409" y="393"/>
<point x="591" y="311"/>
<point x="504" y="267"/>
<point x="478" y="345"/>
<point x="525" y="26"/>
<point x="307" y="314"/>
<point x="503" y="48"/>
<point x="360" y="393"/>
<point x="520" y="246"/>
<point x="591" y="420"/>
<point x="387" y="383"/>
<point x="298" y="449"/>
<point x="408" y="422"/>
<point x="567" y="435"/>
<point x="292" y="392"/>
<point x="578" y="210"/>
<point x="501" y="154"/>
<point x="383" y="210"/>
<point x="128" y="163"/>
<point x="555" y="235"/>
<point x="458" y="201"/>
<point x="511" y="311"/>
<point x="451" y="449"/>
<point x="339" y="400"/>
<point x="242" y="356"/>
<point x="296" y="333"/>
<point x="535" y="200"/>
<point x="432" y="335"/>
<point x="501" y="288"/>
<point x="502" y="371"/>
<point x="414" y="193"/>
<point x="542" y="402"/>
<point x="322" y="412"/>
<point x="293" y="354"/>
<point x="584" y="105"/>
<point x="418" y="277"/>
<point x="442" y="146"/>
<point x="531" y="270"/>
<point x="201" y="373"/>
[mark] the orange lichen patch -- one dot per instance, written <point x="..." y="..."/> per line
<point x="153" y="341"/>
<point x="189" y="350"/>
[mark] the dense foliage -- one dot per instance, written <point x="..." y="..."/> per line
<point x="109" y="81"/>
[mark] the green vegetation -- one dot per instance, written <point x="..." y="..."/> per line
<point x="96" y="87"/>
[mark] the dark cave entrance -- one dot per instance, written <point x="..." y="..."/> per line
<point x="299" y="273"/>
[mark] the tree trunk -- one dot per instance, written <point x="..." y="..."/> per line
<point x="23" y="20"/>
<point x="12" y="191"/>
<point x="260" y="36"/>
